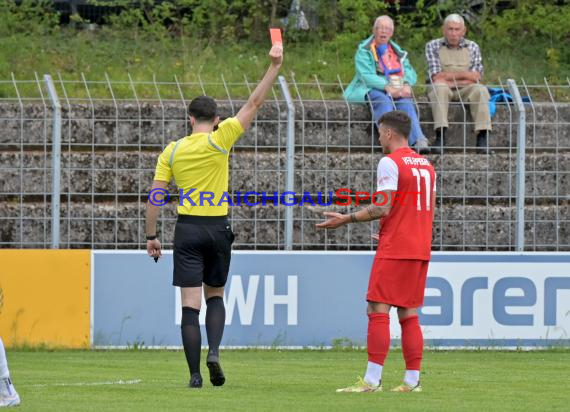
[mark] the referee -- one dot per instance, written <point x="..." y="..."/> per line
<point x="203" y="237"/>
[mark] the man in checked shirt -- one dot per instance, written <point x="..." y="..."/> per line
<point x="455" y="69"/>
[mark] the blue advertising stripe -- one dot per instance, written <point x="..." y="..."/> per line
<point x="497" y="342"/>
<point x="458" y="257"/>
<point x="500" y="258"/>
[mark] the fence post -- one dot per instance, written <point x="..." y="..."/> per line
<point x="521" y="168"/>
<point x="55" y="161"/>
<point x="290" y="184"/>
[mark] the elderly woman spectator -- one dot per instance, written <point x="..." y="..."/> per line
<point x="384" y="77"/>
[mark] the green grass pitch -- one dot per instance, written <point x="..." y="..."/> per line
<point x="273" y="380"/>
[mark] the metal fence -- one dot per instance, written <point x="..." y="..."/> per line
<point x="102" y="139"/>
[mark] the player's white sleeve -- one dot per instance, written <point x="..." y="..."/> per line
<point x="387" y="175"/>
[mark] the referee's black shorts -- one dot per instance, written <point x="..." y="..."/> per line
<point x="202" y="251"/>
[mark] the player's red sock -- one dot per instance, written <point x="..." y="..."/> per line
<point x="378" y="337"/>
<point x="412" y="342"/>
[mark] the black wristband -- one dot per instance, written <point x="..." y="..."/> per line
<point x="353" y="217"/>
<point x="151" y="237"/>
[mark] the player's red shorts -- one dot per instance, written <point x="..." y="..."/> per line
<point x="398" y="282"/>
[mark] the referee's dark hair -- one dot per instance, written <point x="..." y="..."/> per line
<point x="203" y="109"/>
<point x="398" y="121"/>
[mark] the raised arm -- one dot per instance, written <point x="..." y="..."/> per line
<point x="247" y="112"/>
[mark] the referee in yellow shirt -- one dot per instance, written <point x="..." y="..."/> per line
<point x="203" y="237"/>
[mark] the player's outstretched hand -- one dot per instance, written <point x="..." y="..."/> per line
<point x="376" y="237"/>
<point x="334" y="220"/>
<point x="276" y="54"/>
<point x="153" y="249"/>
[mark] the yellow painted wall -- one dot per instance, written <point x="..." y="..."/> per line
<point x="45" y="297"/>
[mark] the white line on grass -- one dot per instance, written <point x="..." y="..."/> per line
<point x="119" y="382"/>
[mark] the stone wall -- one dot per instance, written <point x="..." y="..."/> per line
<point x="108" y="157"/>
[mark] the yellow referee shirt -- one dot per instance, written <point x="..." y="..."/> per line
<point x="199" y="165"/>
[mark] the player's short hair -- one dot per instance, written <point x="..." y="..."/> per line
<point x="398" y="121"/>
<point x="203" y="108"/>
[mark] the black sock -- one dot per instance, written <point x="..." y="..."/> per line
<point x="191" y="337"/>
<point x="215" y="321"/>
<point x="482" y="133"/>
<point x="440" y="132"/>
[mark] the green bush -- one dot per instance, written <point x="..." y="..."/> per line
<point x="231" y="20"/>
<point x="531" y="19"/>
<point x="27" y="17"/>
<point x="193" y="38"/>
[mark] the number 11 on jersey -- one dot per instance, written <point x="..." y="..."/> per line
<point x="419" y="174"/>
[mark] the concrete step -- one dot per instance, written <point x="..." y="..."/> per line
<point x="332" y="123"/>
<point x="459" y="175"/>
<point x="121" y="225"/>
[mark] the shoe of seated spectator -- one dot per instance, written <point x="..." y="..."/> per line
<point x="421" y="146"/>
<point x="482" y="142"/>
<point x="437" y="147"/>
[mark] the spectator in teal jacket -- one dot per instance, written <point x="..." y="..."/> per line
<point x="384" y="77"/>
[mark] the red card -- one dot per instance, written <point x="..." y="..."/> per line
<point x="275" y="36"/>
